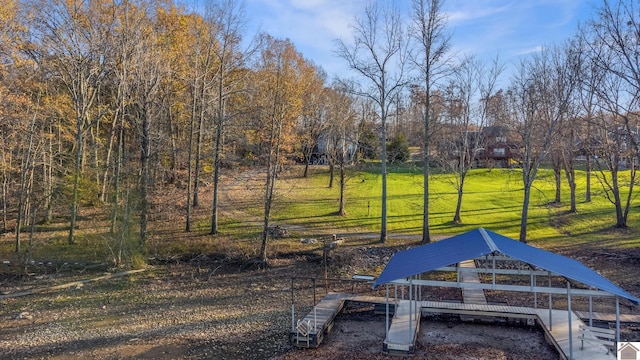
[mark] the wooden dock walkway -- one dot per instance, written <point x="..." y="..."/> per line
<point x="310" y="331"/>
<point x="628" y="318"/>
<point x="405" y="324"/>
<point x="403" y="331"/>
<point x="559" y="336"/>
<point x="556" y="328"/>
<point x="471" y="296"/>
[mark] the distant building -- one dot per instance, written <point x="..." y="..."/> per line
<point x="327" y="147"/>
<point x="501" y="148"/>
<point x="492" y="146"/>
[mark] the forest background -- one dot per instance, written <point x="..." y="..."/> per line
<point x="115" y="111"/>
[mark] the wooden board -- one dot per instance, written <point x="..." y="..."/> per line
<point x="608" y="317"/>
<point x="557" y="327"/>
<point x="404" y="328"/>
<point x="471" y="296"/>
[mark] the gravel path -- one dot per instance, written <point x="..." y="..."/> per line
<point x="176" y="311"/>
<point x="209" y="309"/>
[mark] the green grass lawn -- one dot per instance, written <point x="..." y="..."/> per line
<point x="307" y="207"/>
<point x="492" y="199"/>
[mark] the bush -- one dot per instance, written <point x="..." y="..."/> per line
<point x="398" y="150"/>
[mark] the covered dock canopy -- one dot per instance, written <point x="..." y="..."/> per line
<point x="480" y="242"/>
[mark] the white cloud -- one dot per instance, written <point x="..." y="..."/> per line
<point x="529" y="50"/>
<point x="473" y="13"/>
<point x="312" y="25"/>
<point x="484" y="27"/>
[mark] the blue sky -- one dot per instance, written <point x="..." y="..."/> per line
<point x="485" y="27"/>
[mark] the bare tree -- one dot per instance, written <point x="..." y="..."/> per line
<point x="341" y="140"/>
<point x="201" y="65"/>
<point x="378" y="55"/>
<point x="147" y="72"/>
<point x="472" y="85"/>
<point x="313" y="123"/>
<point x="432" y="60"/>
<point x="279" y="85"/>
<point x="539" y="97"/>
<point x="73" y="46"/>
<point x="591" y="78"/>
<point x="614" y="51"/>
<point x="229" y="19"/>
<point x="26" y="173"/>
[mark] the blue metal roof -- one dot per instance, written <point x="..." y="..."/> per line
<point x="481" y="242"/>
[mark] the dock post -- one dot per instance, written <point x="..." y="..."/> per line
<point x="395" y="294"/>
<point x="315" y="318"/>
<point x="386" y="325"/>
<point x="293" y="313"/>
<point x="550" y="306"/>
<point x="569" y="312"/>
<point x="535" y="294"/>
<point x="590" y="310"/>
<point x="617" y="321"/>
<point x="410" y="306"/>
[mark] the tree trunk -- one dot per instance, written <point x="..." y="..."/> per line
<point x="525" y="212"/>
<point x="571" y="179"/>
<point x="268" y="200"/>
<point x="341" y="209"/>
<point x="558" y="180"/>
<point x="23" y="196"/>
<point x="331" y="173"/>
<point x="621" y="221"/>
<point x="587" y="195"/>
<point x="272" y="169"/>
<point x="116" y="186"/>
<point x="196" y="178"/>
<point x="21" y="201"/>
<point x="426" y="238"/>
<point x="570" y="173"/>
<point x="307" y="162"/>
<point x="456" y="218"/>
<point x="48" y="178"/>
<point x="145" y="145"/>
<point x="192" y="125"/>
<point x="383" y="225"/>
<point x="216" y="173"/>
<point x="5" y="183"/>
<point x="76" y="177"/>
<point x="572" y="188"/>
<point x="173" y="134"/>
<point x="107" y="162"/>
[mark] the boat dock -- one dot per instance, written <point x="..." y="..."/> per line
<point x="405" y="324"/>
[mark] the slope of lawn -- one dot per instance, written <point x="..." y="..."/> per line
<point x="307" y="208"/>
<point x="492" y="199"/>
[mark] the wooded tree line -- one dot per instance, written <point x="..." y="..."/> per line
<point x="103" y="101"/>
<point x="577" y="99"/>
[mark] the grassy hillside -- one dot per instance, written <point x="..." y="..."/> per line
<point x="492" y="199"/>
<point x="307" y="208"/>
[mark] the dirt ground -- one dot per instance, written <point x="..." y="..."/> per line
<point x="216" y="309"/>
<point x="360" y="336"/>
<point x="213" y="307"/>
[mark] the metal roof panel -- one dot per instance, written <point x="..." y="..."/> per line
<point x="480" y="242"/>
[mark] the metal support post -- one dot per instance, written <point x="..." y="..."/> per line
<point x="570" y="327"/>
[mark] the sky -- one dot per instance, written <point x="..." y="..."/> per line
<point x="508" y="28"/>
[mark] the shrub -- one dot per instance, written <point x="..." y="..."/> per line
<point x="398" y="150"/>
